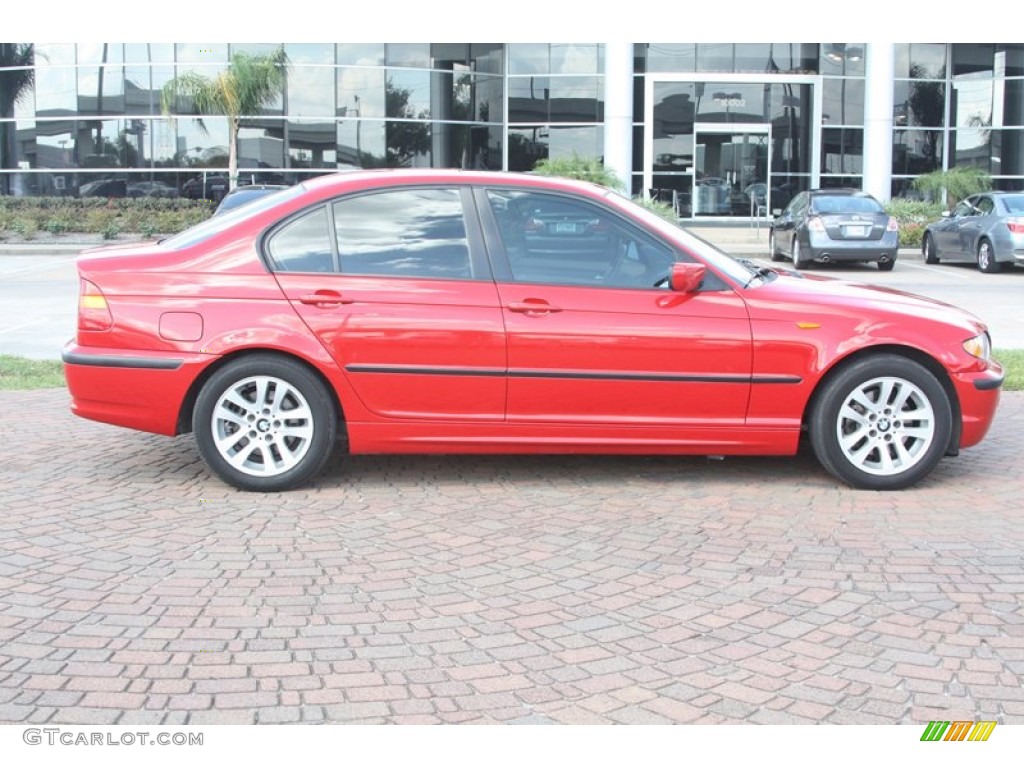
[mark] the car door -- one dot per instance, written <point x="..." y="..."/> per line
<point x="591" y="339"/>
<point x="396" y="286"/>
<point x="953" y="234"/>
<point x="787" y="225"/>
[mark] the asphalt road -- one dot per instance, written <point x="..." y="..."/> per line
<point x="38" y="294"/>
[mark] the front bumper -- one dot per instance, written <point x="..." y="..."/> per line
<point x="978" y="393"/>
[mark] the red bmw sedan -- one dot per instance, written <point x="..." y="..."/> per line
<point x="463" y="312"/>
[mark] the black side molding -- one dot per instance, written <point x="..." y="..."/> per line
<point x="116" y="361"/>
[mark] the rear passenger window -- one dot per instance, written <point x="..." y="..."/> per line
<point x="303" y="244"/>
<point x="403" y="233"/>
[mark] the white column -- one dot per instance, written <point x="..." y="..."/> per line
<point x="618" y="110"/>
<point x="880" y="69"/>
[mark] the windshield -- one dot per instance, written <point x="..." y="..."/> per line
<point x="218" y="224"/>
<point x="693" y="243"/>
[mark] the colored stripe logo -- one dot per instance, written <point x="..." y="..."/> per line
<point x="958" y="730"/>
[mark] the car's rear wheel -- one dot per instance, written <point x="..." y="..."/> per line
<point x="887" y="266"/>
<point x="881" y="423"/>
<point x="928" y="247"/>
<point x="987" y="258"/>
<point x="265" y="423"/>
<point x="773" y="249"/>
<point x="799" y="262"/>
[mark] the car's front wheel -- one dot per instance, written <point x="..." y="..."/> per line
<point x="265" y="423"/>
<point x="881" y="423"/>
<point x="987" y="258"/>
<point x="928" y="247"/>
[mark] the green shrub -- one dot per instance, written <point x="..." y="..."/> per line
<point x="913" y="216"/>
<point x="583" y="168"/>
<point x="56" y="225"/>
<point x="25" y="227"/>
<point x="949" y="187"/>
<point x="664" y="210"/>
<point x="24" y="216"/>
<point x="111" y="229"/>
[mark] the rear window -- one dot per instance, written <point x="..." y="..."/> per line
<point x="217" y="224"/>
<point x="1014" y="203"/>
<point x="845" y="204"/>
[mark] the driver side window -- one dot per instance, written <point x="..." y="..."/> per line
<point x="553" y="239"/>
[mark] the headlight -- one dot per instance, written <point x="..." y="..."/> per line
<point x="980" y="347"/>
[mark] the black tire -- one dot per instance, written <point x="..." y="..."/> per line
<point x="799" y="262"/>
<point x="274" y="447"/>
<point x="887" y="266"/>
<point x="773" y="251"/>
<point x="928" y="249"/>
<point x="858" y="439"/>
<point x="987" y="258"/>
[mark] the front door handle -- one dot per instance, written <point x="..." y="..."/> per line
<point x="532" y="307"/>
<point x="324" y="298"/>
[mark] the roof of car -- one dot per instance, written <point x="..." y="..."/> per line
<point x="839" y="191"/>
<point x="443" y="175"/>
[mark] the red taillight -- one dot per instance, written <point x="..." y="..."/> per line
<point x="93" y="312"/>
<point x="1016" y="225"/>
<point x="815" y="224"/>
<point x="893" y="225"/>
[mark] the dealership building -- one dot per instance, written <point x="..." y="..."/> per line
<point x="720" y="130"/>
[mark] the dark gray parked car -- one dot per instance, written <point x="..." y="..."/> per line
<point x="986" y="228"/>
<point x="834" y="225"/>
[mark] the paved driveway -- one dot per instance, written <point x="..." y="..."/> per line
<point x="136" y="589"/>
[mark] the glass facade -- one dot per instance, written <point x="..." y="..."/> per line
<point x="718" y="129"/>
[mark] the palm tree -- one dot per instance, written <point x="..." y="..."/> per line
<point x="244" y="88"/>
<point x="15" y="83"/>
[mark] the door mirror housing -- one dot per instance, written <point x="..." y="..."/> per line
<point x="687" y="276"/>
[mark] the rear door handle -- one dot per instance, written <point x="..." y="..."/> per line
<point x="532" y="307"/>
<point x="324" y="299"/>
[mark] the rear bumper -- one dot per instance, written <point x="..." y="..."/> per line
<point x="822" y="246"/>
<point x="140" y="390"/>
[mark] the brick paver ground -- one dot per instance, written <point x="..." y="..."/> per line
<point x="137" y="589"/>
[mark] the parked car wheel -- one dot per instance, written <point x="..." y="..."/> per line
<point x="882" y="423"/>
<point x="264" y="423"/>
<point x="773" y="248"/>
<point x="987" y="258"/>
<point x="799" y="262"/>
<point x="887" y="266"/>
<point x="928" y="248"/>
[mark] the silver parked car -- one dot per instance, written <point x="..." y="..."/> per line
<point x="834" y="225"/>
<point x="987" y="228"/>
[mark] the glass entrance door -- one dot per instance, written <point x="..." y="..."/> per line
<point x="731" y="170"/>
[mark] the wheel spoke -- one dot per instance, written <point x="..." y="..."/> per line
<point x="304" y="431"/>
<point x="226" y="414"/>
<point x="919" y="433"/>
<point x="905" y="457"/>
<point x="852" y="414"/>
<point x="233" y="396"/>
<point x="261" y="391"/>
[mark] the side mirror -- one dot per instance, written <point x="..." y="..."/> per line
<point x="687" y="276"/>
